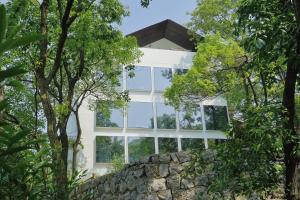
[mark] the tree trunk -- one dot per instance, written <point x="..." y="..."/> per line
<point x="76" y="143"/>
<point x="290" y="145"/>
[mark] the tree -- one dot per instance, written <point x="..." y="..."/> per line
<point x="81" y="55"/>
<point x="249" y="54"/>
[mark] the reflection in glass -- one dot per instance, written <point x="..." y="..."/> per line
<point x="190" y="118"/>
<point x="141" y="81"/>
<point x="140" y="115"/>
<point x="109" y="148"/>
<point x="166" y="118"/>
<point x="113" y="118"/>
<point x="162" y="78"/>
<point x="181" y="71"/>
<point x="167" y="145"/>
<point x="139" y="147"/>
<point x="216" y="117"/>
<point x="188" y="144"/>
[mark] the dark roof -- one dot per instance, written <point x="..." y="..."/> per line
<point x="166" y="29"/>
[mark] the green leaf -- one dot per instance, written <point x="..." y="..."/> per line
<point x="260" y="43"/>
<point x="14" y="43"/>
<point x="14" y="71"/>
<point x="3" y="23"/>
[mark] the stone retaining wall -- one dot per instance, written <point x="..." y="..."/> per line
<point x="159" y="177"/>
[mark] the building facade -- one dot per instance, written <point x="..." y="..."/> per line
<point x="147" y="125"/>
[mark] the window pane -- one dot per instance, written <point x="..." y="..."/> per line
<point x="216" y="117"/>
<point x="192" y="143"/>
<point x="190" y="118"/>
<point x="181" y="71"/>
<point x="109" y="148"/>
<point x="140" y="115"/>
<point x="141" y="80"/>
<point x="139" y="147"/>
<point x="166" y="118"/>
<point x="162" y="78"/>
<point x="114" y="118"/>
<point x="167" y="145"/>
<point x="213" y="143"/>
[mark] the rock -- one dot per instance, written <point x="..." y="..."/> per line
<point x="174" y="157"/>
<point x="163" y="170"/>
<point x="127" y="196"/>
<point x="183" y="156"/>
<point x="131" y="183"/>
<point x="157" y="184"/>
<point x="139" y="172"/>
<point x="123" y="187"/>
<point x="201" y="181"/>
<point x="152" y="170"/>
<point x="165" y="195"/>
<point x="154" y="159"/>
<point x="186" y="184"/>
<point x="173" y="182"/>
<point x="141" y="197"/>
<point x="175" y="168"/>
<point x="165" y="158"/>
<point x="152" y="197"/>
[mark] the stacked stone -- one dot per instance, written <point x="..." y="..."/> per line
<point x="159" y="177"/>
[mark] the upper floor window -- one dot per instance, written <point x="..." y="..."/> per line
<point x="216" y="117"/>
<point x="166" y="118"/>
<point x="162" y="78"/>
<point x="191" y="118"/>
<point x="109" y="148"/>
<point x="141" y="81"/>
<point x="140" y="115"/>
<point x="112" y="118"/>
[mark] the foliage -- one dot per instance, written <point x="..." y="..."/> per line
<point x="244" y="56"/>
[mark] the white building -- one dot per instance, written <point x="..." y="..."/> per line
<point x="147" y="125"/>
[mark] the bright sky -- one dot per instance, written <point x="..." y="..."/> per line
<point x="157" y="11"/>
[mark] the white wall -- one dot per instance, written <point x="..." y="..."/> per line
<point x="151" y="58"/>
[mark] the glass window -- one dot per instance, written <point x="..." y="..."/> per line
<point x="213" y="143"/>
<point x="216" y="117"/>
<point x="190" y="118"/>
<point x="166" y="118"/>
<point x="112" y="118"/>
<point x="188" y="144"/>
<point x="109" y="148"/>
<point x="141" y="81"/>
<point x="167" y="145"/>
<point x="181" y="71"/>
<point x="139" y="147"/>
<point x="162" y="78"/>
<point x="140" y="115"/>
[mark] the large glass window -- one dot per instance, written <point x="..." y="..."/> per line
<point x="140" y="115"/>
<point x="190" y="118"/>
<point x="167" y="145"/>
<point x="213" y="143"/>
<point x="162" y="78"/>
<point x="141" y="81"/>
<point x="216" y="117"/>
<point x="166" y="118"/>
<point x="109" y="148"/>
<point x="188" y="144"/>
<point x="139" y="147"/>
<point x="111" y="118"/>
